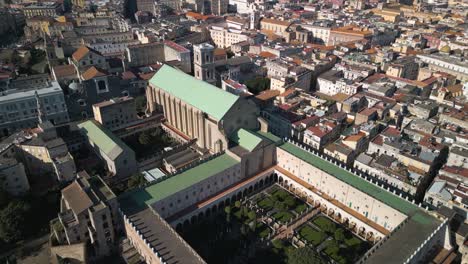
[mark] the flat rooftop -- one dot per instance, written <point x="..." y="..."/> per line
<point x="149" y="195"/>
<point x="163" y="238"/>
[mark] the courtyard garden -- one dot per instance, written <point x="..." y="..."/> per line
<point x="280" y="204"/>
<point x="251" y="231"/>
<point x="332" y="240"/>
<point x="149" y="142"/>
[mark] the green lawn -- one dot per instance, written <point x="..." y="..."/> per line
<point x="353" y="242"/>
<point x="266" y="204"/>
<point x="333" y="251"/>
<point x="300" y="208"/>
<point x="262" y="230"/>
<point x="283" y="216"/>
<point x="281" y="194"/>
<point x="325" y="224"/>
<point x="312" y="236"/>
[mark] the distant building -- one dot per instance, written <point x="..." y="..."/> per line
<point x="85" y="57"/>
<point x="348" y="34"/>
<point x="146" y="5"/>
<point x="116" y="113"/>
<point x="446" y="63"/>
<point x="158" y="52"/>
<point x="219" y="7"/>
<point x="47" y="9"/>
<point x="333" y="82"/>
<point x="19" y="107"/>
<point x="274" y="25"/>
<point x="405" y="67"/>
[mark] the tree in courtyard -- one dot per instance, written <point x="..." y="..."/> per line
<point x="145" y="138"/>
<point x="289" y="201"/>
<point x="251" y="215"/>
<point x="237" y="204"/>
<point x="244" y="211"/>
<point x="339" y="235"/>
<point x="304" y="255"/>
<point x="258" y="85"/>
<point x="37" y="55"/>
<point x="12" y="221"/>
<point x="136" y="180"/>
<point x="227" y="210"/>
<point x="328" y="226"/>
<point x="140" y="103"/>
<point x="333" y="247"/>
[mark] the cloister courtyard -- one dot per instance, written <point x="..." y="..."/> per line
<point x="267" y="224"/>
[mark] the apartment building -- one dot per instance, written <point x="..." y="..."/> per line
<point x="274" y="25"/>
<point x="333" y="82"/>
<point x="405" y="67"/>
<point x="13" y="178"/>
<point x="226" y="37"/>
<point x="43" y="152"/>
<point x="454" y="65"/>
<point x="116" y="113"/>
<point x="86" y="57"/>
<point x="19" y="107"/>
<point x="47" y="9"/>
<point x="88" y="214"/>
<point x="158" y="52"/>
<point x="219" y="7"/>
<point x="348" y="34"/>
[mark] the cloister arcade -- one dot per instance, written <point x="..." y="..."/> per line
<point x="215" y="206"/>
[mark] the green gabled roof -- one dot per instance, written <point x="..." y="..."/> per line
<point x="178" y="182"/>
<point x="104" y="139"/>
<point x="270" y="137"/>
<point x="246" y="139"/>
<point x="202" y="95"/>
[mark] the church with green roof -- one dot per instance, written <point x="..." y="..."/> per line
<point x="199" y="109"/>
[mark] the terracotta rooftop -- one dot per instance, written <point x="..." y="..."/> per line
<point x="92" y="72"/>
<point x="219" y="52"/>
<point x="127" y="75"/>
<point x="76" y="197"/>
<point x="355" y="137"/>
<point x="266" y="54"/>
<point x="81" y="52"/>
<point x="367" y="111"/>
<point x="352" y="30"/>
<point x="64" y="70"/>
<point x="267" y="95"/>
<point x="275" y="21"/>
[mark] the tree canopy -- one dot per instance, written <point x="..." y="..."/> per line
<point x="304" y="255"/>
<point x="136" y="180"/>
<point x="258" y="85"/>
<point x="12" y="221"/>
